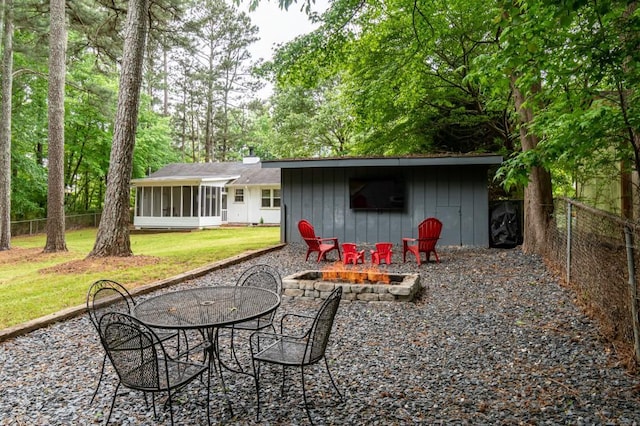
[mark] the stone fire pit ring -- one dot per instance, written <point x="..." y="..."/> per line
<point x="309" y="284"/>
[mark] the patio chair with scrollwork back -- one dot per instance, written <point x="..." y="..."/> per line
<point x="299" y="350"/>
<point x="263" y="276"/>
<point x="428" y="235"/>
<point x="317" y="244"/>
<point x="110" y="296"/>
<point x="142" y="362"/>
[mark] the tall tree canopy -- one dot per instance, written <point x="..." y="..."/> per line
<point x="552" y="86"/>
<point x="403" y="69"/>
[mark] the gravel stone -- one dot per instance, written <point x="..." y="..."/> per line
<point x="491" y="339"/>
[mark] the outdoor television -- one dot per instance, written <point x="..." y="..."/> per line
<point x="382" y="193"/>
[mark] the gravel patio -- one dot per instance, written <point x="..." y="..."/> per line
<point x="493" y="339"/>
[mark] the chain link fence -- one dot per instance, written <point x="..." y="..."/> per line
<point x="39" y="226"/>
<point x="597" y="253"/>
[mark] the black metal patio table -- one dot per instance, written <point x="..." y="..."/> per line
<point x="206" y="309"/>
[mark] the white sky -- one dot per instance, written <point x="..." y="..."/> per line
<point x="278" y="26"/>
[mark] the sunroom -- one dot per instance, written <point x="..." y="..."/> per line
<point x="180" y="203"/>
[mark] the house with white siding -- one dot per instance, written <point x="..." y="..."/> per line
<point x="203" y="195"/>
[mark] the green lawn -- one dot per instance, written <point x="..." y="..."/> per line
<point x="33" y="284"/>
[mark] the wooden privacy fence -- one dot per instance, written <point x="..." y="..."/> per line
<point x="599" y="255"/>
<point x="39" y="226"/>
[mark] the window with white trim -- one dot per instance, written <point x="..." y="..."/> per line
<point x="270" y="198"/>
<point x="238" y="195"/>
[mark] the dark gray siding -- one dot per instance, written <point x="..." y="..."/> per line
<point x="457" y="195"/>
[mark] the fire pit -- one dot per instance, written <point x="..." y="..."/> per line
<point x="368" y="286"/>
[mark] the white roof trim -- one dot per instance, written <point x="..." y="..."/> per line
<point x="243" y="185"/>
<point x="182" y="180"/>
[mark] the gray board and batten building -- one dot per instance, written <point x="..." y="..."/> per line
<point x="369" y="200"/>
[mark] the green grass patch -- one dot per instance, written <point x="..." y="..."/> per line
<point x="34" y="284"/>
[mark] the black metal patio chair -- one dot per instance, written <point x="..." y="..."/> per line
<point x="296" y="350"/>
<point x="110" y="296"/>
<point x="263" y="276"/>
<point x="142" y="362"/>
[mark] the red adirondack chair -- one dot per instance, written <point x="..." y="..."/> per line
<point x="382" y="252"/>
<point x="351" y="254"/>
<point x="321" y="245"/>
<point x="428" y="235"/>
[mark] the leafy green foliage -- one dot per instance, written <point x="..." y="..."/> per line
<point x="584" y="112"/>
<point x="403" y="75"/>
<point x="89" y="110"/>
<point x="154" y="147"/>
<point x="90" y="107"/>
<point x="28" y="189"/>
<point x="376" y="78"/>
<point x="418" y="77"/>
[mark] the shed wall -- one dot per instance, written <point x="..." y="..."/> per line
<point x="458" y="196"/>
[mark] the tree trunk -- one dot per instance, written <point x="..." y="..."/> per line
<point x="183" y="130"/>
<point x="626" y="189"/>
<point x="165" y="83"/>
<point x="5" y="127"/>
<point x="55" y="190"/>
<point x="538" y="194"/>
<point x="113" y="232"/>
<point x="625" y="95"/>
<point x="209" y="149"/>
